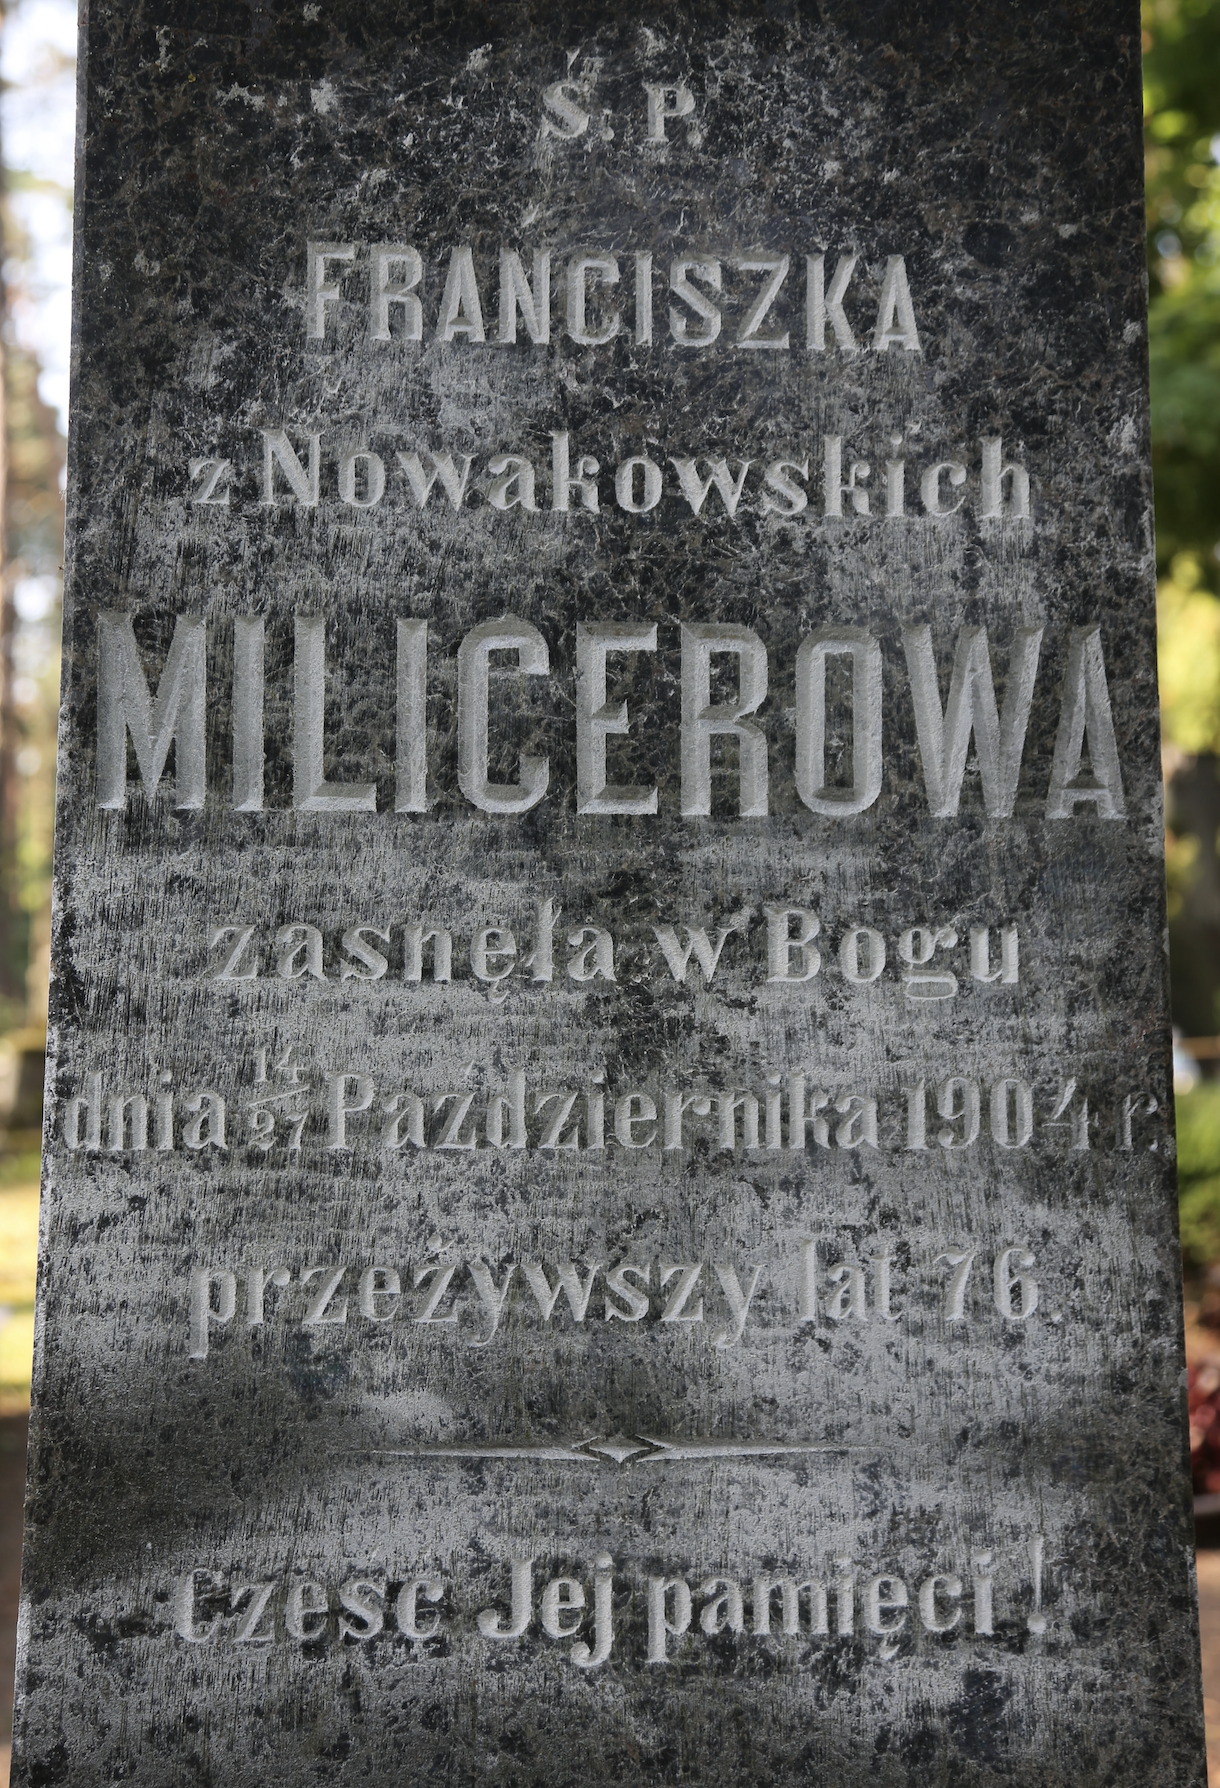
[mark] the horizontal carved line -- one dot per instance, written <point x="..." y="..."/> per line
<point x="618" y="1450"/>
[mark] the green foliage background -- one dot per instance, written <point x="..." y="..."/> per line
<point x="1182" y="134"/>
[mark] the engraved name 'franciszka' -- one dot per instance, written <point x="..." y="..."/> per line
<point x="760" y="308"/>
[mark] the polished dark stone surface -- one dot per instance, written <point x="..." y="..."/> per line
<point x="1019" y="1460"/>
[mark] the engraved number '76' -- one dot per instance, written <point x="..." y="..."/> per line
<point x="1014" y="1293"/>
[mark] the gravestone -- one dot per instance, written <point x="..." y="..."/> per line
<point x="609" y="1198"/>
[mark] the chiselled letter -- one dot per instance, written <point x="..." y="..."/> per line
<point x="304" y="482"/>
<point x="1016" y="1294"/>
<point x="567" y="1281"/>
<point x="86" y="1106"/>
<point x="862" y="955"/>
<point x="945" y="1587"/>
<point x="311" y="792"/>
<point x="581" y="268"/>
<point x="764" y="1589"/>
<point x="660" y="1626"/>
<point x="319" y="1312"/>
<point x="206" y="1310"/>
<point x="440" y="1274"/>
<point x="848" y="1301"/>
<point x="676" y="1106"/>
<point x="248" y="1630"/>
<point x="363" y="962"/>
<point x="698" y="945"/>
<point x="257" y="1281"/>
<point x="411" y="767"/>
<point x="563" y="483"/>
<point x="521" y="1603"/>
<point x="882" y="1596"/>
<point x="461" y="313"/>
<point x="1012" y="1113"/>
<point x="930" y="487"/>
<point x="865" y="656"/>
<point x="598" y="719"/>
<point x="739" y="1302"/>
<point x="650" y="485"/>
<point x="916" y="948"/>
<point x="414" y="937"/>
<point x="1008" y="970"/>
<point x="709" y="314"/>
<point x="632" y="1110"/>
<point x="781" y="494"/>
<point x="676" y="1307"/>
<point x="783" y="944"/>
<point x="404" y="1121"/>
<point x="474" y="673"/>
<point x="506" y="1114"/>
<point x="184" y="1607"/>
<point x="702" y="720"/>
<point x="992" y="504"/>
<point x="452" y="479"/>
<point x="960" y="1261"/>
<point x="643" y="298"/>
<point x="593" y="954"/>
<point x="695" y="488"/>
<point x="895" y="312"/>
<point x="1135" y="1104"/>
<point x="512" y="482"/>
<point x="298" y="952"/>
<point x="307" y="1614"/>
<point x="832" y="479"/>
<point x="676" y="101"/>
<point x="859" y="1125"/>
<point x="493" y="1297"/>
<point x="727" y="1106"/>
<point x="1085" y="714"/>
<point x="363" y="1599"/>
<point x="493" y="954"/>
<point x="823" y="305"/>
<point x="603" y="1611"/>
<point x="390" y="258"/>
<point x="725" y="1611"/>
<point x="248" y="649"/>
<point x="405" y="1609"/>
<point x="984" y="1585"/>
<point x="175" y="717"/>
<point x="944" y="735"/>
<point x="541" y="959"/>
<point x="359" y="472"/>
<point x="564" y="118"/>
<point x="117" y="1108"/>
<point x="452" y="1137"/>
<point x="516" y="294"/>
<point x="212" y="475"/>
<point x="555" y="1135"/>
<point x="339" y="1107"/>
<point x="957" y="1101"/>
<point x="634" y="1304"/>
<point x="320" y="290"/>
<point x="776" y="268"/>
<point x="207" y="1127"/>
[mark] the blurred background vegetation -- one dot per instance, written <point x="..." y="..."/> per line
<point x="1182" y="123"/>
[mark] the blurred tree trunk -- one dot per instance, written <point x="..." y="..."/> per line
<point x="12" y="926"/>
<point x="1193" y="809"/>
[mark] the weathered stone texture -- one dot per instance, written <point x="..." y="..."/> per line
<point x="933" y="1334"/>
